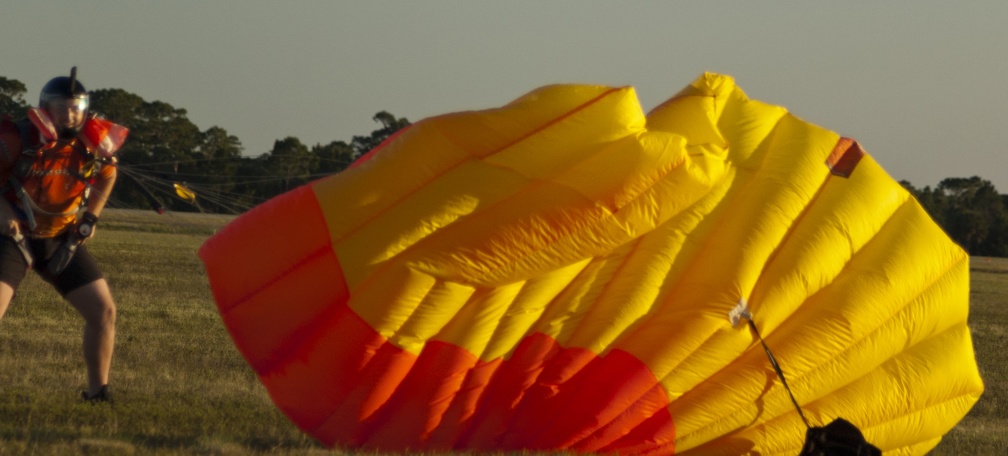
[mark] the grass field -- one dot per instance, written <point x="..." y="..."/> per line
<point x="985" y="429"/>
<point x="182" y="388"/>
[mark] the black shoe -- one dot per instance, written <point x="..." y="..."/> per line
<point x="103" y="395"/>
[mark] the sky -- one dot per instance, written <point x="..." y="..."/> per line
<point x="920" y="84"/>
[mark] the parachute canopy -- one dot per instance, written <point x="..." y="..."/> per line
<point x="183" y="192"/>
<point x="558" y="273"/>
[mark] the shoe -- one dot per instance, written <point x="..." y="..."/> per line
<point x="103" y="395"/>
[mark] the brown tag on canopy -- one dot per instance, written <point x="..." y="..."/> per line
<point x="845" y="156"/>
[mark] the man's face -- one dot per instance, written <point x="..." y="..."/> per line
<point x="67" y="113"/>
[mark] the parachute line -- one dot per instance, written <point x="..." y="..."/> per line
<point x="741" y="311"/>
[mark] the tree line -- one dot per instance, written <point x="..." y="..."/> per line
<point x="971" y="212"/>
<point x="166" y="151"/>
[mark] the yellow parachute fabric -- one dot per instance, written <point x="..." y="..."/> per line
<point x="558" y="273"/>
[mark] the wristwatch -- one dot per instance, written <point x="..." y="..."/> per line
<point x="86" y="225"/>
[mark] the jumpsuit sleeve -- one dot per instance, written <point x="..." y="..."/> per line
<point x="102" y="188"/>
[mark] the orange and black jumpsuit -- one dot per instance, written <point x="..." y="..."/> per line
<point x="48" y="185"/>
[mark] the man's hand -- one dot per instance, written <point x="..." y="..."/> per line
<point x="10" y="227"/>
<point x="9" y="223"/>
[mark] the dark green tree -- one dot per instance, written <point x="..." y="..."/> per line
<point x="163" y="148"/>
<point x="12" y="100"/>
<point x="332" y="158"/>
<point x="212" y="172"/>
<point x="255" y="179"/>
<point x="974" y="215"/>
<point x="933" y="201"/>
<point x="291" y="162"/>
<point x="390" y="125"/>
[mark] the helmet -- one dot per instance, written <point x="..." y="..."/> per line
<point x="65" y="92"/>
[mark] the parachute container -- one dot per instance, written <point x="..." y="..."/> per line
<point x="557" y="274"/>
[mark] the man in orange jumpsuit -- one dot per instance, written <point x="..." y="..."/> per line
<point x="55" y="182"/>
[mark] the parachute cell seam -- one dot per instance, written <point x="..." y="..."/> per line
<point x="905" y="307"/>
<point x="393" y="337"/>
<point x="800" y="380"/>
<point x="321" y="251"/>
<point x="772" y="396"/>
<point x="792" y="229"/>
<point x="396" y="337"/>
<point x="499" y="321"/>
<point x="299" y="337"/>
<point x="640" y="400"/>
<point x="860" y="342"/>
<point x="573" y="335"/>
<point x="711" y="240"/>
<point x="288" y="350"/>
<point x="960" y="398"/>
<point x="447" y="169"/>
<point x="606" y="290"/>
<point x="588" y="224"/>
<point x="771" y="136"/>
<point x="594" y="222"/>
<point x="713" y="332"/>
<point x="724" y="206"/>
<point x="556" y="120"/>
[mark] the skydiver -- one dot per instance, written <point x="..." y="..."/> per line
<point x="54" y="188"/>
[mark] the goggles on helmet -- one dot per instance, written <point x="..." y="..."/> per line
<point x="78" y="104"/>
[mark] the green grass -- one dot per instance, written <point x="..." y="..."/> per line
<point x="182" y="387"/>
<point x="985" y="429"/>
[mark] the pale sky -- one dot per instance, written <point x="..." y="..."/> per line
<point x="920" y="84"/>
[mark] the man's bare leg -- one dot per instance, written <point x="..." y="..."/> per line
<point x="94" y="302"/>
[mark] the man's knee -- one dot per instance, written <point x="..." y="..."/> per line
<point x="107" y="313"/>
<point x="95" y="303"/>
<point x="99" y="312"/>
